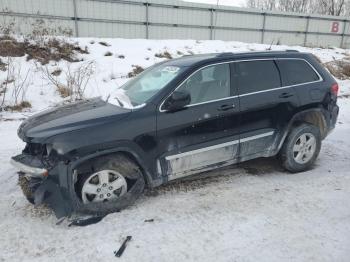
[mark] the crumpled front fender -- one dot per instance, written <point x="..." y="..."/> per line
<point x="50" y="193"/>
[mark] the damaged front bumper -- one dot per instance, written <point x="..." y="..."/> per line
<point x="46" y="188"/>
<point x="22" y="162"/>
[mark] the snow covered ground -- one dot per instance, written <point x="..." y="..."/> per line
<point x="251" y="212"/>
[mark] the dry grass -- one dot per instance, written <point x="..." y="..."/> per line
<point x="165" y="54"/>
<point x="2" y="66"/>
<point x="318" y="59"/>
<point x="19" y="107"/>
<point x="63" y="91"/>
<point x="179" y="53"/>
<point x="346" y="70"/>
<point x="339" y="69"/>
<point x="56" y="72"/>
<point x="104" y="43"/>
<point x="53" y="50"/>
<point x="135" y="71"/>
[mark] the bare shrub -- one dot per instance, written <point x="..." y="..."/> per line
<point x="20" y="84"/>
<point x="165" y="54"/>
<point x="16" y="83"/>
<point x="108" y="53"/>
<point x="9" y="79"/>
<point x="7" y="24"/>
<point x="75" y="80"/>
<point x="42" y="30"/>
<point x="121" y="56"/>
<point x="135" y="71"/>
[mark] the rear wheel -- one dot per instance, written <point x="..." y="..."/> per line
<point x="113" y="183"/>
<point x="301" y="148"/>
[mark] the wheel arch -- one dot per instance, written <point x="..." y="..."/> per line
<point x="314" y="116"/>
<point x="130" y="154"/>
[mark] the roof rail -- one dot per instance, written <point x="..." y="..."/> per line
<point x="224" y="54"/>
<point x="292" y="50"/>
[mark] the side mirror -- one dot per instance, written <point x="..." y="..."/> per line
<point x="177" y="101"/>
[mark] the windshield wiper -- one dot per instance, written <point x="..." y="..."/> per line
<point x="119" y="102"/>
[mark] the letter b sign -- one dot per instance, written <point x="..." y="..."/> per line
<point x="335" y="27"/>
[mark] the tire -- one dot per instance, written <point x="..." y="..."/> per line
<point x="298" y="152"/>
<point x="118" y="167"/>
<point x="27" y="191"/>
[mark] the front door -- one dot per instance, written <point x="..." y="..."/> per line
<point x="194" y="139"/>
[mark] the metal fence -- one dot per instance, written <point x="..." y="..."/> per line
<point x="172" y="19"/>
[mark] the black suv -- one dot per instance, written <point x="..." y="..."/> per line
<point x="177" y="118"/>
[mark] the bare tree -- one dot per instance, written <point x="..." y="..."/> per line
<point x="332" y="7"/>
<point x="299" y="6"/>
<point x="326" y="7"/>
<point x="262" y="4"/>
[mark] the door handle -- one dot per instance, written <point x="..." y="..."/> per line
<point x="226" y="107"/>
<point x="286" y="95"/>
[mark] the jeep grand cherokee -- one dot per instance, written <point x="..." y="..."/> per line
<point x="177" y="118"/>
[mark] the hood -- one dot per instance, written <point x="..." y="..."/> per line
<point x="83" y="114"/>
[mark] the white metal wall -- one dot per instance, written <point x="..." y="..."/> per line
<point x="173" y="19"/>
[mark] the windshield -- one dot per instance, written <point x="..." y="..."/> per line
<point x="138" y="90"/>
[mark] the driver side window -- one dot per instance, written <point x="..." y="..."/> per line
<point x="210" y="83"/>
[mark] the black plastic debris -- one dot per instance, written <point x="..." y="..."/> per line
<point x="59" y="222"/>
<point x="86" y="221"/>
<point x="120" y="252"/>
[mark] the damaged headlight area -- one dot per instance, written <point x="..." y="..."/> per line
<point x="44" y="154"/>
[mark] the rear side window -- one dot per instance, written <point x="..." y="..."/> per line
<point x="295" y="72"/>
<point x="254" y="76"/>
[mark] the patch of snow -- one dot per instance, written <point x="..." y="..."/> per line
<point x="231" y="214"/>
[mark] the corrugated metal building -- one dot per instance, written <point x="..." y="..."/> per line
<point x="172" y="19"/>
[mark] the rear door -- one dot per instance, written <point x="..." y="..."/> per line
<point x="194" y="139"/>
<point x="266" y="106"/>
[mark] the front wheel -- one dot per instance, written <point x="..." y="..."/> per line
<point x="113" y="183"/>
<point x="301" y="148"/>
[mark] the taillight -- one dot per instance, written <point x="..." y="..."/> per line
<point x="335" y="89"/>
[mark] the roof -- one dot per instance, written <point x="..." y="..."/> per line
<point x="191" y="60"/>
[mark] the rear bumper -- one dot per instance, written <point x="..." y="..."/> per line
<point x="334" y="116"/>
